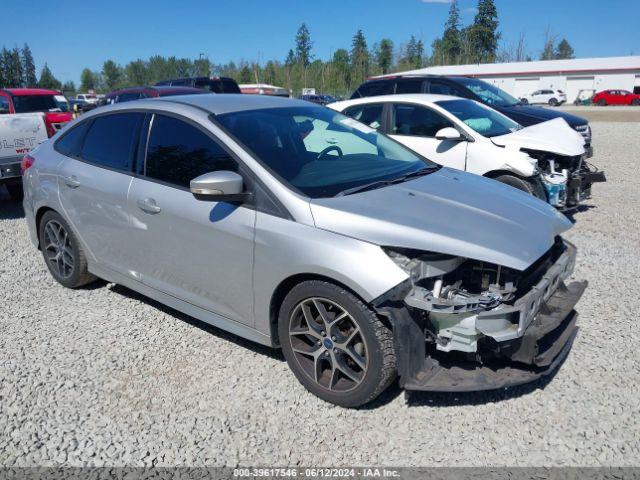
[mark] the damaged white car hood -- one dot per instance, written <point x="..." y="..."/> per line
<point x="449" y="212"/>
<point x="553" y="136"/>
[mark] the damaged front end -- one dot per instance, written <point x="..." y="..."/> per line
<point x="461" y="324"/>
<point x="567" y="180"/>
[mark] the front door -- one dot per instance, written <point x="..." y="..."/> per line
<point x="196" y="250"/>
<point x="93" y="187"/>
<point x="416" y="126"/>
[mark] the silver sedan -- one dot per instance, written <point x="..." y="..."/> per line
<point x="361" y="259"/>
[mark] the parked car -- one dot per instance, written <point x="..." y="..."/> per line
<point x="137" y="93"/>
<point x="616" y="97"/>
<point x="28" y="100"/>
<point x="547" y="97"/>
<point x="91" y="98"/>
<point x="213" y="84"/>
<point x="19" y="134"/>
<point x="358" y="266"/>
<point x="319" y="99"/>
<point x="547" y="160"/>
<point x="474" y="89"/>
<point x="81" y="106"/>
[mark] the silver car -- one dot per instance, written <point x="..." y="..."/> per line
<point x="362" y="261"/>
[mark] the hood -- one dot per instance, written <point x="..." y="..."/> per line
<point x="539" y="114"/>
<point x="553" y="136"/>
<point x="448" y="212"/>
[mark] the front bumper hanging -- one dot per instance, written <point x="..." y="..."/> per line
<point x="544" y="337"/>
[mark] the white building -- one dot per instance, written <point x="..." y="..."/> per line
<point x="520" y="78"/>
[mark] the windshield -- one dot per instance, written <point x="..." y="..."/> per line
<point x="34" y="103"/>
<point x="319" y="152"/>
<point x="486" y="121"/>
<point x="490" y="94"/>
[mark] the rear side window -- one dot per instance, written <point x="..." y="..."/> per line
<point x="442" y="88"/>
<point x="409" y="86"/>
<point x="111" y="140"/>
<point x="368" y="114"/>
<point x="417" y="121"/>
<point x="373" y="89"/>
<point x="127" y="97"/>
<point x="71" y="141"/>
<point x="178" y="152"/>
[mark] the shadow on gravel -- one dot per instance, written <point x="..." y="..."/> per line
<point x="255" y="347"/>
<point x="10" y="210"/>
<point x="580" y="209"/>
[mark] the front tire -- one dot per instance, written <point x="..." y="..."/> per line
<point x="553" y="102"/>
<point x="336" y="346"/>
<point x="531" y="186"/>
<point x="602" y="102"/>
<point x="62" y="251"/>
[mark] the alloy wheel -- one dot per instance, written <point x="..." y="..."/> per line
<point x="57" y="249"/>
<point x="328" y="344"/>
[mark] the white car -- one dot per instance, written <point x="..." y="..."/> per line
<point x="544" y="160"/>
<point x="547" y="97"/>
<point x="87" y="97"/>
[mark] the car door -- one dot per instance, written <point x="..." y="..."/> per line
<point x="199" y="251"/>
<point x="93" y="184"/>
<point x="416" y="126"/>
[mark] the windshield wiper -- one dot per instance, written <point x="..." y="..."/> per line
<point x="384" y="183"/>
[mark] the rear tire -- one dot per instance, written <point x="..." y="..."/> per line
<point x="524" y="101"/>
<point x="347" y="362"/>
<point x="553" y="102"/>
<point x="635" y="102"/>
<point x="62" y="251"/>
<point x="531" y="186"/>
<point x="15" y="191"/>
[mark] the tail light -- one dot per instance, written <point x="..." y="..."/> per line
<point x="27" y="162"/>
<point x="51" y="131"/>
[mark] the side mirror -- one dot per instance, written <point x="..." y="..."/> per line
<point x="222" y="186"/>
<point x="449" y="133"/>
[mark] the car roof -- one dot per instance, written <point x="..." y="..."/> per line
<point x="216" y="103"/>
<point x="424" y="98"/>
<point x="31" y="91"/>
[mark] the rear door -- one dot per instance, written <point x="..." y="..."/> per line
<point x="94" y="183"/>
<point x="416" y="126"/>
<point x="196" y="250"/>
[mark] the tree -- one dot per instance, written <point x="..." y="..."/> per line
<point x="112" y="74"/>
<point x="3" y="68"/>
<point x="245" y="74"/>
<point x="451" y="45"/>
<point x="384" y="55"/>
<point x="341" y="68"/>
<point x="136" y="73"/>
<point x="47" y="80"/>
<point x="564" y="50"/>
<point x="69" y="87"/>
<point x="28" y="68"/>
<point x="87" y="80"/>
<point x="548" y="52"/>
<point x="483" y="32"/>
<point x="12" y="68"/>
<point x="202" y="67"/>
<point x="303" y="46"/>
<point x="359" y="57"/>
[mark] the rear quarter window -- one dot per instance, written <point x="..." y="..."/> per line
<point x="111" y="140"/>
<point x="71" y="142"/>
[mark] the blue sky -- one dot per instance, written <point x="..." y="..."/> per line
<point x="70" y="35"/>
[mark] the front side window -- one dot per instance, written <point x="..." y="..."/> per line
<point x="179" y="152"/>
<point x="486" y="121"/>
<point x="489" y="94"/>
<point x="368" y="114"/>
<point x="111" y="140"/>
<point x="34" y="103"/>
<point x="417" y="120"/>
<point x="341" y="154"/>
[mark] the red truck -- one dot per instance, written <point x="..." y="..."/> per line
<point x="52" y="103"/>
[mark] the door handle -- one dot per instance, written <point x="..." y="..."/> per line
<point x="72" y="181"/>
<point x="148" y="205"/>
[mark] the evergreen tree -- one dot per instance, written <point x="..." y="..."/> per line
<point x="341" y="69"/>
<point x="47" y="80"/>
<point x="13" y="68"/>
<point x="3" y="68"/>
<point x="87" y="80"/>
<point x="451" y="39"/>
<point x="28" y="68"/>
<point x="359" y="57"/>
<point x="69" y="87"/>
<point x="484" y="32"/>
<point x="136" y="73"/>
<point x="303" y="46"/>
<point x="384" y="55"/>
<point x="112" y="74"/>
<point x="564" y="50"/>
<point x="203" y="67"/>
<point x="245" y="74"/>
<point x="548" y="52"/>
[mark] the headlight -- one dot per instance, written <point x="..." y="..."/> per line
<point x="420" y="264"/>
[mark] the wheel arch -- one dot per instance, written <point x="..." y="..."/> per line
<point x="39" y="214"/>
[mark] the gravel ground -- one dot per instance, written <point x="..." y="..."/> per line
<point x="102" y="376"/>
